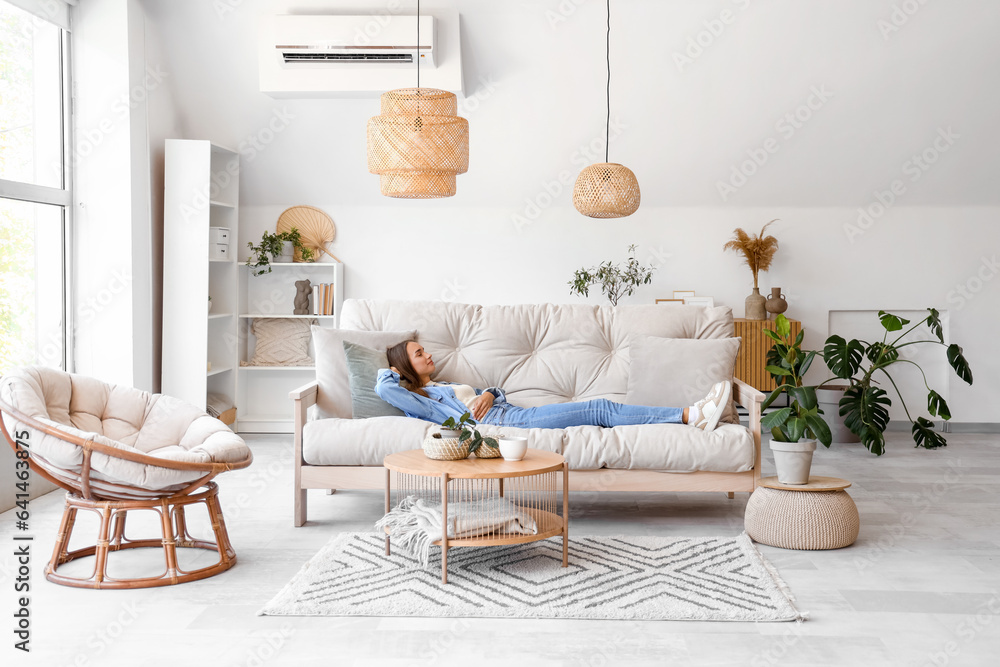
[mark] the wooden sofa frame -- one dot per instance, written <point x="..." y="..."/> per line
<point x="606" y="479"/>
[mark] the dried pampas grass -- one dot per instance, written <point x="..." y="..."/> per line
<point x="758" y="250"/>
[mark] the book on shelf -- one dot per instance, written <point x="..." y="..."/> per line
<point x="322" y="294"/>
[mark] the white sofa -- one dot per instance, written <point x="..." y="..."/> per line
<point x="538" y="354"/>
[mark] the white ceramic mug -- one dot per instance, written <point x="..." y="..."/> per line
<point x="513" y="448"/>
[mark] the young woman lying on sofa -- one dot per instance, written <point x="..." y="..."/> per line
<point x="436" y="401"/>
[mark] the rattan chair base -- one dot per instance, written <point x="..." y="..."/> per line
<point x="111" y="537"/>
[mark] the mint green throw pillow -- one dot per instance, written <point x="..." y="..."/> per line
<point x="363" y="364"/>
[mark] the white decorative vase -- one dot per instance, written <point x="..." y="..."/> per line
<point x="793" y="460"/>
<point x="287" y="252"/>
<point x="449" y="432"/>
<point x="513" y="448"/>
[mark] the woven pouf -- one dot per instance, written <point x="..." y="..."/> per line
<point x="802" y="519"/>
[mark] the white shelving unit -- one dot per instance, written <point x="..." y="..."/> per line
<point x="200" y="351"/>
<point x="262" y="391"/>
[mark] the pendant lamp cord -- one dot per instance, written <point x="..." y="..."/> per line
<point x="607" y="127"/>
<point x="418" y="45"/>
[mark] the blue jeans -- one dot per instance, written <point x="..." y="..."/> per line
<point x="598" y="412"/>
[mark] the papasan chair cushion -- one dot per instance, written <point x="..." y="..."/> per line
<point x="121" y="417"/>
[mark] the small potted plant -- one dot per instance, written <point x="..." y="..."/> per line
<point x="795" y="428"/>
<point x="273" y="246"/>
<point x="615" y="280"/>
<point x="865" y="406"/>
<point x="459" y="439"/>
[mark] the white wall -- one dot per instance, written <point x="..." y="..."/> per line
<point x="534" y="72"/>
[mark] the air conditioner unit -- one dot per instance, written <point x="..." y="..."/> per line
<point x="358" y="56"/>
<point x="339" y="41"/>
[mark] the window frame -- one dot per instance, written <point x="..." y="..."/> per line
<point x="62" y="197"/>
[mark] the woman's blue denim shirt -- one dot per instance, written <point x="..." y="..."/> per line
<point x="439" y="404"/>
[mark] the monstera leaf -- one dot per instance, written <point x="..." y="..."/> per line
<point x="892" y="322"/>
<point x="881" y="353"/>
<point x="925" y="436"/>
<point x="843" y="357"/>
<point x="937" y="406"/>
<point x="866" y="414"/>
<point x="934" y="324"/>
<point x="959" y="363"/>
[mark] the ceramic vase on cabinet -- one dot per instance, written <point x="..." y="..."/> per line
<point x="755" y="306"/>
<point x="776" y="302"/>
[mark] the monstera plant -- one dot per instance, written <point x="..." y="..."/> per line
<point x="865" y="405"/>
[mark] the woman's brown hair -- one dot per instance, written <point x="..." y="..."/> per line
<point x="399" y="358"/>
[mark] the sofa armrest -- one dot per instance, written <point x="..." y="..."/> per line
<point x="751" y="399"/>
<point x="306" y="393"/>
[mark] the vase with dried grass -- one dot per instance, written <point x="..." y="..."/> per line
<point x="758" y="251"/>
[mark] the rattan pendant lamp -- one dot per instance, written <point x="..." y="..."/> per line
<point x="419" y="143"/>
<point x="606" y="189"/>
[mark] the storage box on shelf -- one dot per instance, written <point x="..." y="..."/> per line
<point x="201" y="195"/>
<point x="262" y="405"/>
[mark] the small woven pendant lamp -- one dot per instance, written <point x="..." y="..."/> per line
<point x="606" y="189"/>
<point x="419" y="143"/>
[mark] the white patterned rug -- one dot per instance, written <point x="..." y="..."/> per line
<point x="653" y="578"/>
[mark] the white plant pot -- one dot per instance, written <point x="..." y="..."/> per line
<point x="449" y="432"/>
<point x="829" y="401"/>
<point x="513" y="448"/>
<point x="793" y="460"/>
<point x="287" y="252"/>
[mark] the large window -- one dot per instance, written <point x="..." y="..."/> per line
<point x="34" y="188"/>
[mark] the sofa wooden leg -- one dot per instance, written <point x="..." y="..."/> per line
<point x="330" y="492"/>
<point x="731" y="495"/>
<point x="301" y="507"/>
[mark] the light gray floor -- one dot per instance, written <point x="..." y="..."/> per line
<point x="920" y="587"/>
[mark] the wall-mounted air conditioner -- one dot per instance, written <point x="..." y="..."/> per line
<point x="357" y="56"/>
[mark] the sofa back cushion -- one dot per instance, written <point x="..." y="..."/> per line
<point x="538" y="353"/>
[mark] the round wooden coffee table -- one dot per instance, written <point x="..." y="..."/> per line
<point x="489" y="491"/>
<point x="817" y="515"/>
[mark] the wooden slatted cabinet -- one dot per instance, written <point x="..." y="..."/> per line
<point x="750" y="361"/>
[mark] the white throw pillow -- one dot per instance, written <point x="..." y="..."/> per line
<point x="334" y="396"/>
<point x="676" y="372"/>
<point x="281" y="342"/>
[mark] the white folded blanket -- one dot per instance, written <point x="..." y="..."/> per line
<point x="414" y="524"/>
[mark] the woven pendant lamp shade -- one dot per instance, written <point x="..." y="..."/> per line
<point x="606" y="190"/>
<point x="418" y="144"/>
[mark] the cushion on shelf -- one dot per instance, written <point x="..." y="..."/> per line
<point x="676" y="372"/>
<point x="363" y="364"/>
<point x="334" y="396"/>
<point x="281" y="342"/>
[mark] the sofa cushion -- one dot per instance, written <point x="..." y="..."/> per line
<point x="676" y="372"/>
<point x="334" y="396"/>
<point x="281" y="342"/>
<point x="363" y="364"/>
<point x="667" y="447"/>
<point x="538" y="353"/>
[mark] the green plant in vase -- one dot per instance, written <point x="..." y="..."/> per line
<point x="271" y="246"/>
<point x="865" y="405"/>
<point x="615" y="280"/>
<point x="466" y="429"/>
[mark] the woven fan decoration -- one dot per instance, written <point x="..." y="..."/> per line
<point x="315" y="227"/>
<point x="606" y="189"/>
<point x="419" y="143"/>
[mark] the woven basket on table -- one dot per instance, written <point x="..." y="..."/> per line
<point x="486" y="452"/>
<point x="444" y="449"/>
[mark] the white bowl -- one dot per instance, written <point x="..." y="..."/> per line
<point x="513" y="448"/>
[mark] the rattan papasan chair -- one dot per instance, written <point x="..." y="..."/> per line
<point x="116" y="449"/>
